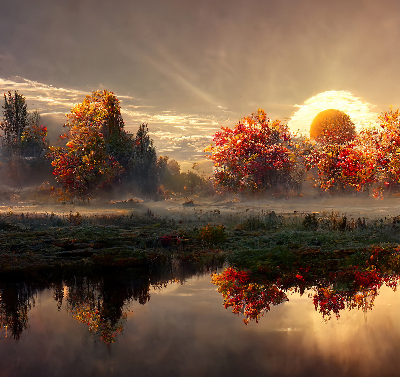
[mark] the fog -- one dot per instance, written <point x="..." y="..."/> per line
<point x="217" y="209"/>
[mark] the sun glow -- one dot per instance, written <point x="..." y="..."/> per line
<point x="361" y="113"/>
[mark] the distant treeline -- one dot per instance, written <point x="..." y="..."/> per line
<point x="96" y="155"/>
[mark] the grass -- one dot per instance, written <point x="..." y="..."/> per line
<point x="244" y="239"/>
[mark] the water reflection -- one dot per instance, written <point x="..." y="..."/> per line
<point x="102" y="299"/>
<point x="16" y="300"/>
<point x="252" y="294"/>
<point x="98" y="299"/>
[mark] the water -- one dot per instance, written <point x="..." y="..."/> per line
<point x="175" y="324"/>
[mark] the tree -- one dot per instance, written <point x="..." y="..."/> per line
<point x="101" y="112"/>
<point x="255" y="154"/>
<point x="34" y="137"/>
<point x="97" y="146"/>
<point x="144" y="169"/>
<point x="168" y="172"/>
<point x="83" y="166"/>
<point x="383" y="146"/>
<point x="336" y="154"/>
<point x="332" y="127"/>
<point x="24" y="135"/>
<point x="344" y="166"/>
<point x="388" y="146"/>
<point x="24" y="142"/>
<point x="15" y="121"/>
<point x="370" y="160"/>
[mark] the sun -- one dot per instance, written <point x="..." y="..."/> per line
<point x="361" y="113"/>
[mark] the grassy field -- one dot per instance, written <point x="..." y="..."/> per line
<point x="247" y="236"/>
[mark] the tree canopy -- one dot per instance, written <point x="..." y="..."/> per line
<point x="253" y="154"/>
<point x="144" y="169"/>
<point x="100" y="152"/>
<point x="15" y="121"/>
<point x="89" y="160"/>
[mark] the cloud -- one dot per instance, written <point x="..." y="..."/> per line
<point x="181" y="136"/>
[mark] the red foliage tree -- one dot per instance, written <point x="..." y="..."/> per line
<point x="386" y="148"/>
<point x="342" y="158"/>
<point x="343" y="166"/>
<point x="372" y="159"/>
<point x="349" y="287"/>
<point x="254" y="154"/>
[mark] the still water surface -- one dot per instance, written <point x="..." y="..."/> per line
<point x="126" y="326"/>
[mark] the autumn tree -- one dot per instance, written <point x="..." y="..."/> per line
<point x="245" y="295"/>
<point x="103" y="305"/>
<point x="341" y="167"/>
<point x="101" y="112"/>
<point x="97" y="147"/>
<point x="337" y="156"/>
<point x="388" y="146"/>
<point x="256" y="154"/>
<point x="383" y="146"/>
<point x="369" y="161"/>
<point x="34" y="141"/>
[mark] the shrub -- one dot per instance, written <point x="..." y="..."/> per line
<point x="213" y="234"/>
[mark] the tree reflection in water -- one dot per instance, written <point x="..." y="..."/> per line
<point x="101" y="300"/>
<point x="348" y="287"/>
<point x="103" y="304"/>
<point x="247" y="295"/>
<point x="16" y="300"/>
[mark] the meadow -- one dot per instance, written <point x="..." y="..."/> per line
<point x="244" y="232"/>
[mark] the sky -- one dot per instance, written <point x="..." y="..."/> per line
<point x="189" y="67"/>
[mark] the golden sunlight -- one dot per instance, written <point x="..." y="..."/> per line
<point x="361" y="113"/>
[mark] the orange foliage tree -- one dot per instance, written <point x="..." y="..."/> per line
<point x="97" y="148"/>
<point x="256" y="154"/>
